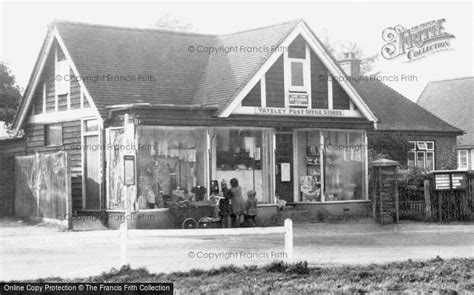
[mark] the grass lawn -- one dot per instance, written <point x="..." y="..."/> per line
<point x="445" y="276"/>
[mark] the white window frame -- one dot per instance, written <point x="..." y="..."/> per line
<point x="460" y="166"/>
<point x="421" y="147"/>
<point x="426" y="159"/>
<point x="61" y="77"/>
<point x="472" y="159"/>
<point x="306" y="88"/>
<point x="431" y="143"/>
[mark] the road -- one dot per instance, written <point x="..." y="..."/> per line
<point x="29" y="252"/>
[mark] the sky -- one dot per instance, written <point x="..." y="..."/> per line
<point x="23" y="27"/>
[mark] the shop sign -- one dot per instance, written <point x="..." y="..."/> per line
<point x="297" y="112"/>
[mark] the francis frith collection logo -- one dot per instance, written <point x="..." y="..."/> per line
<point x="415" y="42"/>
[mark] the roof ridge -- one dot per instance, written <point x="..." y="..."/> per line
<point x="158" y="30"/>
<point x="414" y="103"/>
<point x="452" y="79"/>
<point x="295" y="21"/>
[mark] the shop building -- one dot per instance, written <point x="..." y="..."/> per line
<point x="146" y="112"/>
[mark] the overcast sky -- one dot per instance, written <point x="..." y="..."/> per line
<point x="24" y="24"/>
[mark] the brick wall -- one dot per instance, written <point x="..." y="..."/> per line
<point x="445" y="148"/>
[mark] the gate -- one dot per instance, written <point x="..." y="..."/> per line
<point x="412" y="202"/>
<point x="43" y="188"/>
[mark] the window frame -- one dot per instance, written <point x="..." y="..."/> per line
<point x="418" y="147"/>
<point x="47" y="142"/>
<point x="460" y="167"/>
<point x="306" y="88"/>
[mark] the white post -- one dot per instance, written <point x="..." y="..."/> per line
<point x="289" y="239"/>
<point x="123" y="244"/>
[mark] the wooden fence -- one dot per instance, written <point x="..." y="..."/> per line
<point x="424" y="203"/>
<point x="43" y="188"/>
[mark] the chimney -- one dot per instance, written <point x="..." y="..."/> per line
<point x="350" y="64"/>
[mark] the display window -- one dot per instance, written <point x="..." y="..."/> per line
<point x="331" y="165"/>
<point x="172" y="164"/>
<point x="243" y="154"/>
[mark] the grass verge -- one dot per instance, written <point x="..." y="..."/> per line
<point x="435" y="275"/>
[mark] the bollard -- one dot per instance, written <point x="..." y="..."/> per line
<point x="289" y="240"/>
<point x="123" y="244"/>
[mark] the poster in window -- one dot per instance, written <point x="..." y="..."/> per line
<point x="285" y="172"/>
<point x="129" y="170"/>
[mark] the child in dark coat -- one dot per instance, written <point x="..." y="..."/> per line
<point x="225" y="204"/>
<point x="251" y="206"/>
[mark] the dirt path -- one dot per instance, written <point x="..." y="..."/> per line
<point x="28" y="251"/>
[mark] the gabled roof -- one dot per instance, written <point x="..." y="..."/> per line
<point x="129" y="66"/>
<point x="180" y="74"/>
<point x="396" y="112"/>
<point x="453" y="101"/>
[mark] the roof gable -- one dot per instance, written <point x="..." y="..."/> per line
<point x="227" y="74"/>
<point x="453" y="101"/>
<point x="299" y="30"/>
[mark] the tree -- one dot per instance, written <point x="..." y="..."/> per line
<point x="393" y="146"/>
<point x="170" y="22"/>
<point x="10" y="95"/>
<point x="338" y="49"/>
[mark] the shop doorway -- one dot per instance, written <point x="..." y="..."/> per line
<point x="284" y="165"/>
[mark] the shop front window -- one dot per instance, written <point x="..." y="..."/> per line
<point x="171" y="164"/>
<point x="243" y="154"/>
<point x="331" y="166"/>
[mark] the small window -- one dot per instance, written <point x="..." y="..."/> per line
<point x="53" y="135"/>
<point x="91" y="126"/>
<point x="429" y="166"/>
<point x="412" y="145"/>
<point x="62" y="77"/>
<point x="420" y="160"/>
<point x="421" y="145"/>
<point x="472" y="159"/>
<point x="411" y="159"/>
<point x="462" y="160"/>
<point x="297" y="75"/>
<point x="430" y="145"/>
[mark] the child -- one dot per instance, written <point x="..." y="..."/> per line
<point x="238" y="203"/>
<point x="225" y="204"/>
<point x="251" y="206"/>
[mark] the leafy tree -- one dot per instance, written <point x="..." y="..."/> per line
<point x="10" y="95"/>
<point x="170" y="22"/>
<point x="393" y="146"/>
<point x="338" y="49"/>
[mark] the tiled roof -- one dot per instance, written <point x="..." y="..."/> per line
<point x="453" y="101"/>
<point x="180" y="76"/>
<point x="396" y="112"/>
